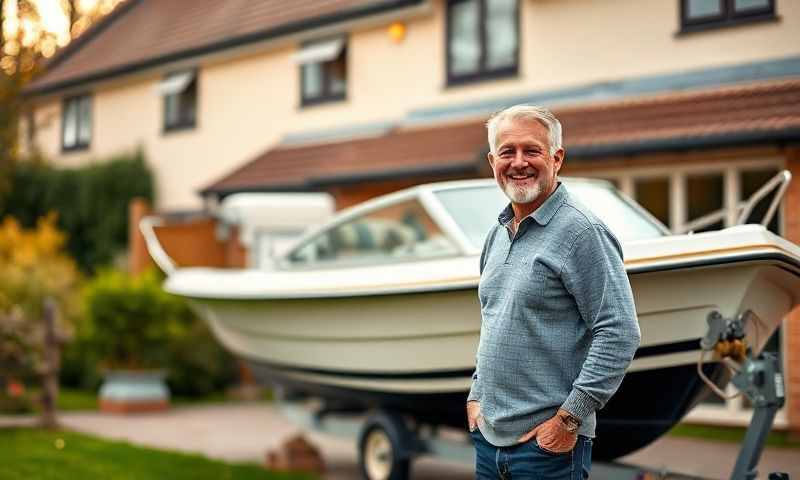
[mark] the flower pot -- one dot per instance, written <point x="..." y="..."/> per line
<point x="134" y="391"/>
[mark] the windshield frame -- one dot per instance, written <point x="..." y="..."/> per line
<point x="427" y="196"/>
<point x="421" y="194"/>
<point x="490" y="183"/>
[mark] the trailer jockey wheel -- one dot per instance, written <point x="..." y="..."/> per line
<point x="384" y="448"/>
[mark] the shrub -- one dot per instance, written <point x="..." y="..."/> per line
<point x="33" y="269"/>
<point x="91" y="201"/>
<point x="129" y="320"/>
<point x="198" y="365"/>
<point x="15" y="404"/>
<point x="132" y="323"/>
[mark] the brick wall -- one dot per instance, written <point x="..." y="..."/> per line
<point x="138" y="258"/>
<point x="189" y="243"/>
<point x="792" y="325"/>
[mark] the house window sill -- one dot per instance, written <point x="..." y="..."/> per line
<point x="181" y="127"/>
<point x="75" y="149"/>
<point x="483" y="77"/>
<point x="723" y="24"/>
<point x="312" y="102"/>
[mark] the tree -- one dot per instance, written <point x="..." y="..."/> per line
<point x="32" y="31"/>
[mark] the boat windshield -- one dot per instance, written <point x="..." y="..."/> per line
<point x="475" y="210"/>
<point x="396" y="232"/>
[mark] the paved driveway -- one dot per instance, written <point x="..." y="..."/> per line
<point x="243" y="432"/>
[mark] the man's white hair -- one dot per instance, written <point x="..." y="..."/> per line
<point x="531" y="112"/>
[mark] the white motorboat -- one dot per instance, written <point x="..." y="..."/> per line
<point x="378" y="307"/>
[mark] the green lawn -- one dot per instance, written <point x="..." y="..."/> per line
<point x="69" y="399"/>
<point x="731" y="434"/>
<point x="41" y="454"/>
<point x="73" y="399"/>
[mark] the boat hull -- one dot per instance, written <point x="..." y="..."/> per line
<point x="414" y="352"/>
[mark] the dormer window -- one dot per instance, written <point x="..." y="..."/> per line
<point x="180" y="100"/>
<point x="323" y="71"/>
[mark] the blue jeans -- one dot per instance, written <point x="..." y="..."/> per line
<point x="527" y="461"/>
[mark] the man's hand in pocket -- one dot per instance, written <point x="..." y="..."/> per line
<point x="473" y="413"/>
<point x="552" y="435"/>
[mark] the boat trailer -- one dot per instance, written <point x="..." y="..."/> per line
<point x="757" y="377"/>
<point x="389" y="442"/>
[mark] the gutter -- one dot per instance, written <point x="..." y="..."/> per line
<point x="318" y="184"/>
<point x="736" y="139"/>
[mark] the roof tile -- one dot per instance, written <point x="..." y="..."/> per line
<point x="753" y="109"/>
<point x="147" y="30"/>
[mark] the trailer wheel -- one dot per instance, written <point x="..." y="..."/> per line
<point x="384" y="448"/>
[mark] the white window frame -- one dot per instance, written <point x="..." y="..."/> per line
<point x="732" y="413"/>
<point x="171" y="88"/>
<point x="322" y="53"/>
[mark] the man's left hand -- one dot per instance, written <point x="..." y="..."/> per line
<point x="552" y="435"/>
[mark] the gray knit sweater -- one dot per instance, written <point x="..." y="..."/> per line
<point x="559" y="325"/>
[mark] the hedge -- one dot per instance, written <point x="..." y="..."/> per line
<point x="91" y="202"/>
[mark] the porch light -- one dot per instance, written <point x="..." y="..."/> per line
<point x="397" y="32"/>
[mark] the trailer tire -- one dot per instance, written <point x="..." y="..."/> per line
<point x="385" y="448"/>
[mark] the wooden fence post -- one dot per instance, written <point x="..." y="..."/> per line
<point x="52" y="365"/>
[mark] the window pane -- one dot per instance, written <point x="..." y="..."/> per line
<point x="751" y="181"/>
<point x="625" y="221"/>
<point x="464" y="42"/>
<point x="337" y="74"/>
<point x="501" y="33"/>
<point x="740" y="5"/>
<point x="394" y="233"/>
<point x="188" y="104"/>
<point x="312" y="80"/>
<point x="85" y="121"/>
<point x="705" y="195"/>
<point x="703" y="8"/>
<point x="653" y="195"/>
<point x="171" y="110"/>
<point x="71" y="123"/>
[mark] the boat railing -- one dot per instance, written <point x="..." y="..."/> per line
<point x="163" y="260"/>
<point x="777" y="184"/>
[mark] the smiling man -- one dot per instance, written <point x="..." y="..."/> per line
<point x="558" y="326"/>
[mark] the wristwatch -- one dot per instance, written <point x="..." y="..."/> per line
<point x="570" y="422"/>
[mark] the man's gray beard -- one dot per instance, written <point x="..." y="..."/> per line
<point x="523" y="195"/>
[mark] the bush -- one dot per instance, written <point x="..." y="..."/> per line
<point x="16" y="404"/>
<point x="132" y="323"/>
<point x="79" y="365"/>
<point x="130" y="320"/>
<point x="91" y="201"/>
<point x="198" y="365"/>
<point x="33" y="269"/>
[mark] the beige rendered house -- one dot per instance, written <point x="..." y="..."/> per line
<point x="687" y="105"/>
